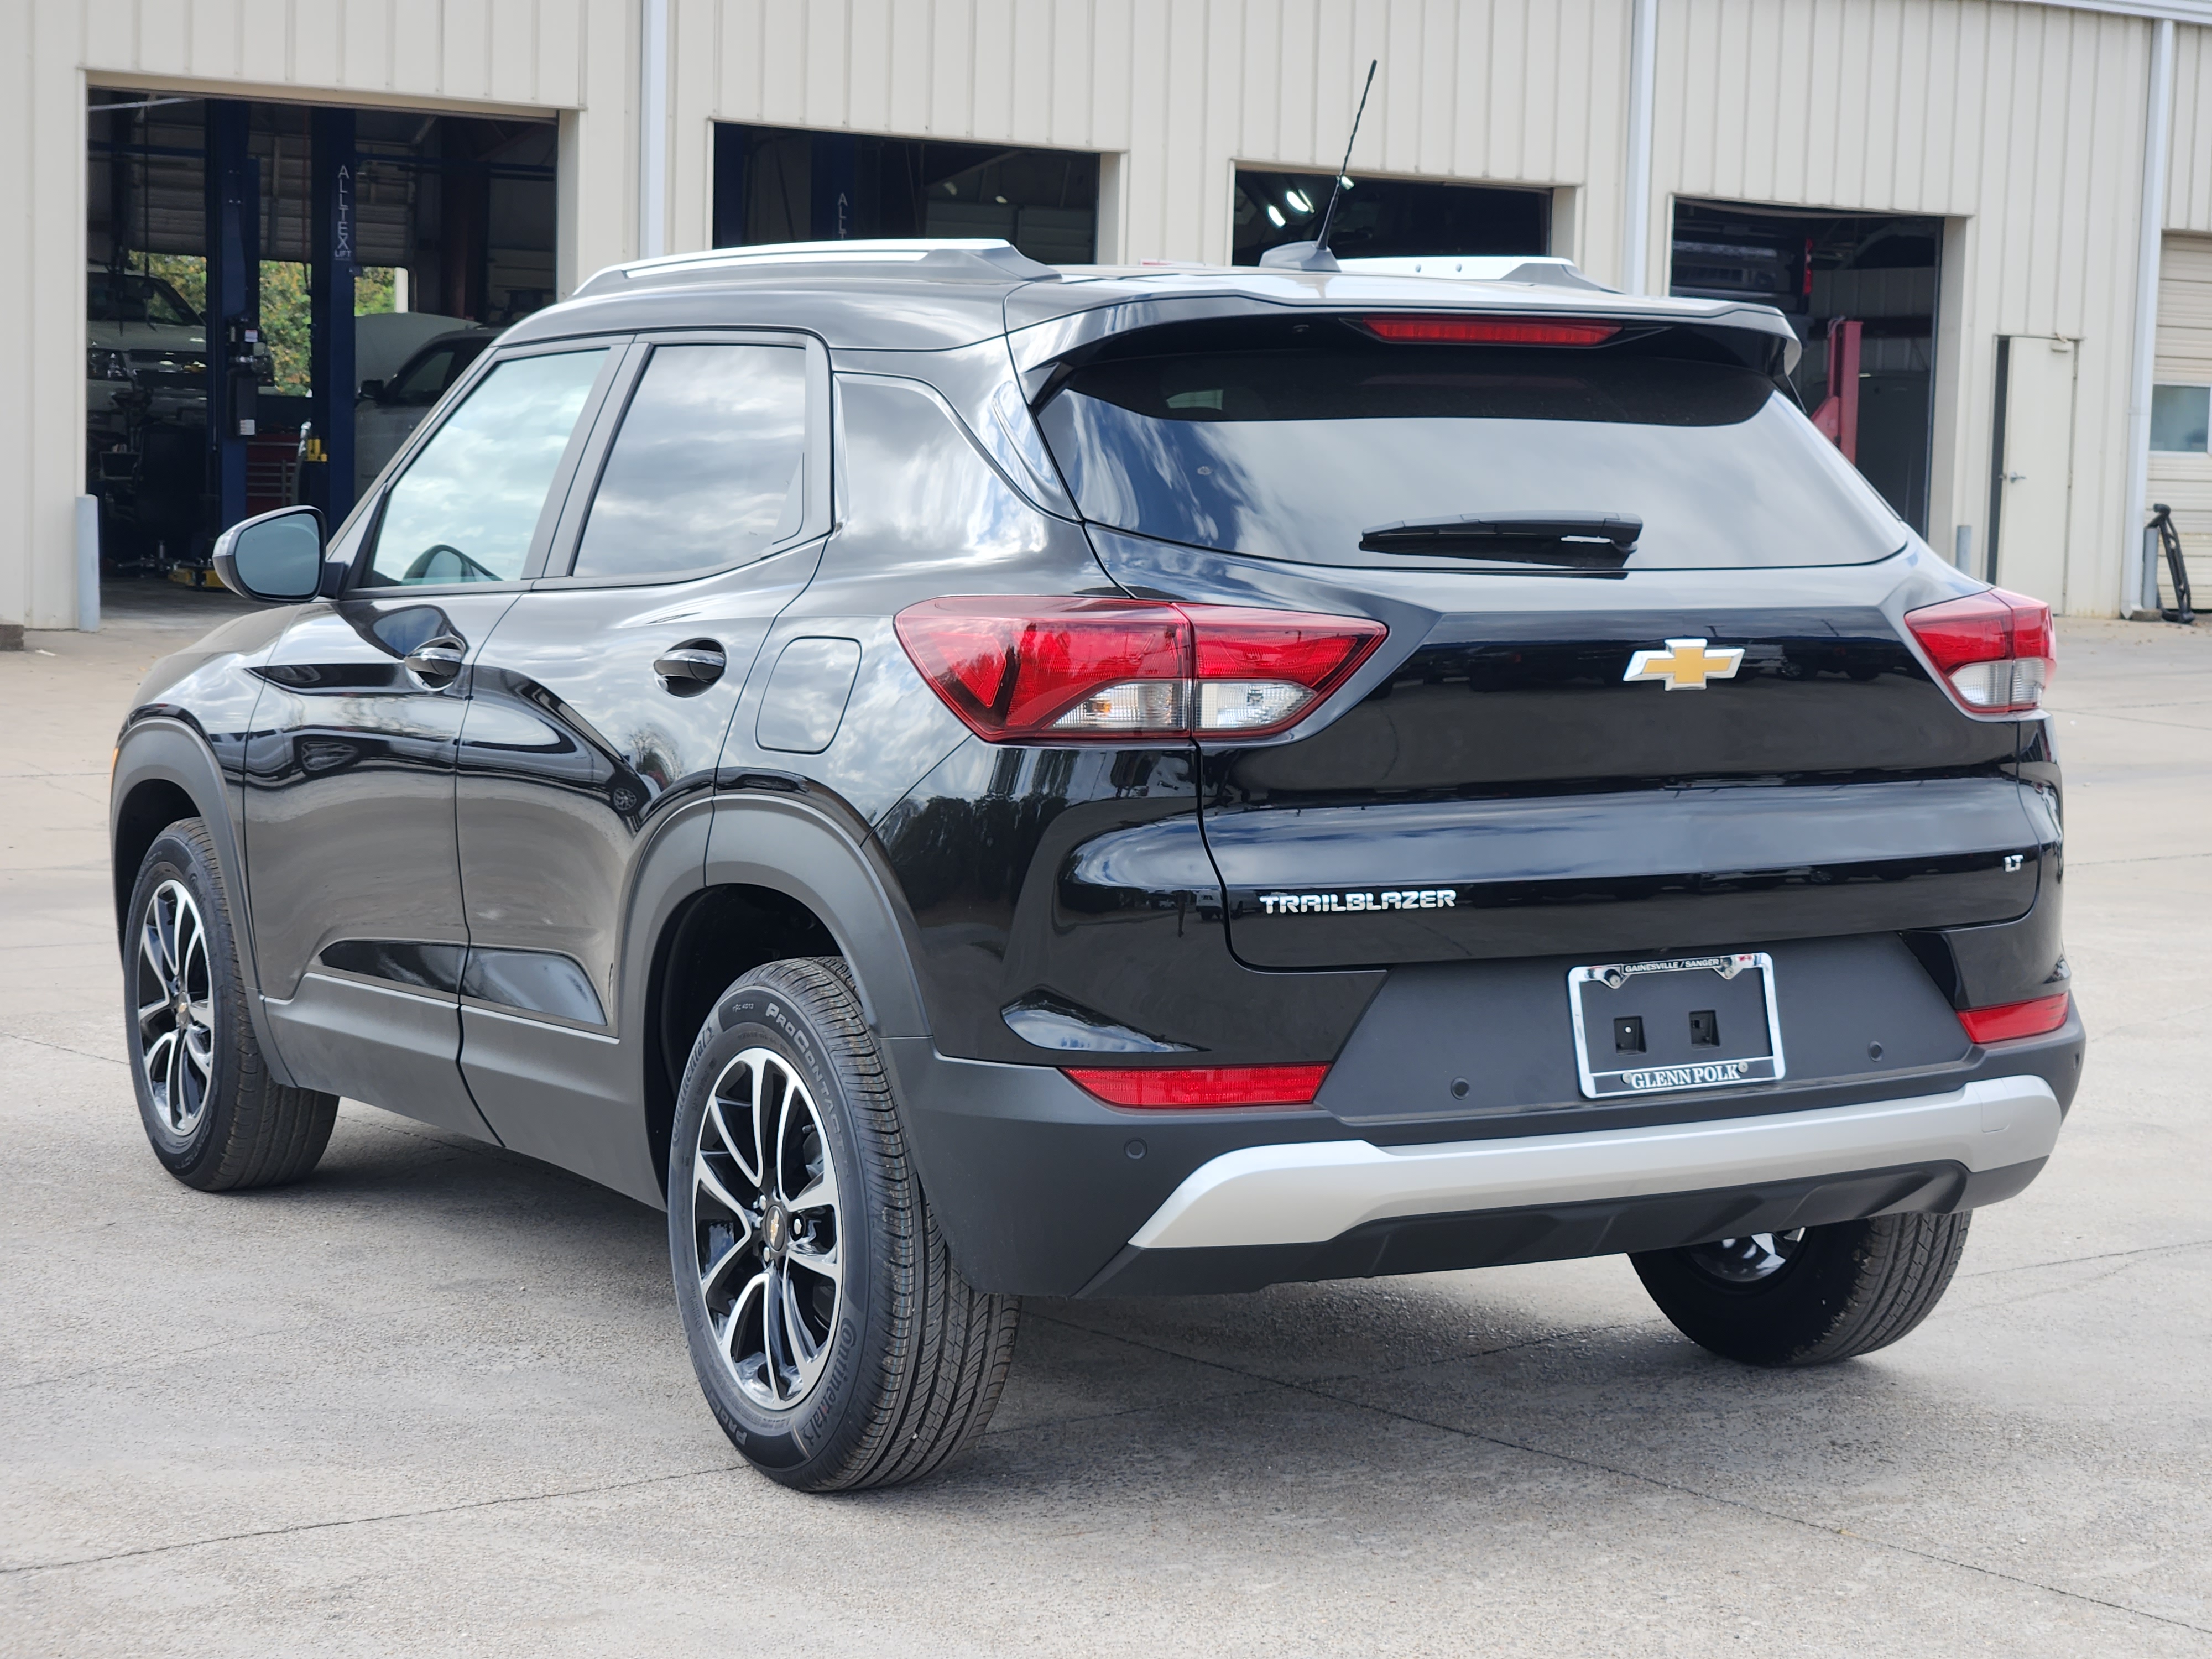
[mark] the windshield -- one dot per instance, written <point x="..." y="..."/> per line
<point x="424" y="380"/>
<point x="122" y="297"/>
<point x="1299" y="453"/>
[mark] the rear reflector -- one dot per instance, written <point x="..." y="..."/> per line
<point x="1486" y="330"/>
<point x="2015" y="1019"/>
<point x="1193" y="1086"/>
<point x="1045" y="670"/>
<point x="1996" y="650"/>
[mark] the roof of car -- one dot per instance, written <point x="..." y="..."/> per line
<point x="933" y="295"/>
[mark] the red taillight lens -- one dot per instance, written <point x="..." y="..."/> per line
<point x="1194" y="1087"/>
<point x="1486" y="330"/>
<point x="1996" y="651"/>
<point x="1017" y="667"/>
<point x="2015" y="1019"/>
<point x="1052" y="670"/>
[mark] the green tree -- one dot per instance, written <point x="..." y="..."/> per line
<point x="286" y="314"/>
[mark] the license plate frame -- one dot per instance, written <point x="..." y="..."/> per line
<point x="1729" y="1069"/>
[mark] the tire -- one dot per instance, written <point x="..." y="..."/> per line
<point x="214" y="1116"/>
<point x="881" y="1364"/>
<point x="1810" y="1298"/>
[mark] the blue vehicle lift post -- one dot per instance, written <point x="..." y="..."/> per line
<point x="326" y="479"/>
<point x="234" y="303"/>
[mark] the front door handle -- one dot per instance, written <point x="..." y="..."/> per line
<point x="690" y="668"/>
<point x="438" y="662"/>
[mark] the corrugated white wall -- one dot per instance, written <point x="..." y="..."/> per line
<point x="1508" y="91"/>
<point x="511" y="52"/>
<point x="2020" y="124"/>
<point x="2189" y="166"/>
<point x="2023" y="123"/>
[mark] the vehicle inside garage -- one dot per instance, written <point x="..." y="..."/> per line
<point x="277" y="293"/>
<point x="1859" y="290"/>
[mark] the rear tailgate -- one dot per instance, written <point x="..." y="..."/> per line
<point x="1505" y="791"/>
<point x="1647" y="687"/>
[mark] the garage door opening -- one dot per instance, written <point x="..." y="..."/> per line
<point x="1860" y="291"/>
<point x="790" y="184"/>
<point x="1382" y="218"/>
<point x="277" y="294"/>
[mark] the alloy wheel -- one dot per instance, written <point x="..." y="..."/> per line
<point x="765" y="1224"/>
<point x="174" y="998"/>
<point x="1750" y="1259"/>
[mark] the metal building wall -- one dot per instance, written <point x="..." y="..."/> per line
<point x="2189" y="168"/>
<point x="1508" y="91"/>
<point x="570" y="59"/>
<point x="2022" y="124"/>
<point x="2019" y="121"/>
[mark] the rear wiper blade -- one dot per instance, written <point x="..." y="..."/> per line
<point x="1586" y="541"/>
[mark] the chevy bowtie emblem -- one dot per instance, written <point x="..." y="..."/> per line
<point x="1686" y="664"/>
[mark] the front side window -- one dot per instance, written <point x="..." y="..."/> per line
<point x="2181" y="418"/>
<point x="708" y="468"/>
<point x="467" y="506"/>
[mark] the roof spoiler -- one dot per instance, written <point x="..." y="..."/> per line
<point x="1540" y="272"/>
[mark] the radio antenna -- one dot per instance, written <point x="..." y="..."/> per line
<point x="1336" y="189"/>
<point x="1314" y="255"/>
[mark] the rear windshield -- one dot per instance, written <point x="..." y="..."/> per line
<point x="1295" y="454"/>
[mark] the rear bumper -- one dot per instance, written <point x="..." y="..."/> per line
<point x="1347" y="1209"/>
<point x="1309" y="1194"/>
<point x="1043" y="1190"/>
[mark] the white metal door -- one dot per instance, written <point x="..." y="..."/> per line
<point x="2038" y="468"/>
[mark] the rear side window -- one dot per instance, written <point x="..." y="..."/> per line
<point x="467" y="508"/>
<point x="1297" y="452"/>
<point x="707" y="468"/>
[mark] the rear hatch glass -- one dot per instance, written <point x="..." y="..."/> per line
<point x="1296" y="446"/>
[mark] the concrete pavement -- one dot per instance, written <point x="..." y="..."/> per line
<point x="436" y="1400"/>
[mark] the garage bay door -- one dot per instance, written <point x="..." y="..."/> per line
<point x="2180" y="461"/>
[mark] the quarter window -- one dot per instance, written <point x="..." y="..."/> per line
<point x="467" y="506"/>
<point x="708" y="468"/>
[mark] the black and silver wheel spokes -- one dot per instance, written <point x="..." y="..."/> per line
<point x="765" y="1228"/>
<point x="1750" y="1259"/>
<point x="174" y="992"/>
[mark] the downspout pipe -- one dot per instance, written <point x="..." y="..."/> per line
<point x="2158" y="137"/>
<point x="652" y="131"/>
<point x="1636" y="223"/>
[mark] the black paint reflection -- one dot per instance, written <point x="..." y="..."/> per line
<point x="1071" y="889"/>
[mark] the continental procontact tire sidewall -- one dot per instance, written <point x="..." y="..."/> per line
<point x="820" y="1431"/>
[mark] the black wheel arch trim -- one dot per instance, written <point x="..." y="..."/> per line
<point x="782" y="843"/>
<point x="789" y="845"/>
<point x="165" y="749"/>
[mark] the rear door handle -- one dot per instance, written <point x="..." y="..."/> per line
<point x="438" y="662"/>
<point x="691" y="666"/>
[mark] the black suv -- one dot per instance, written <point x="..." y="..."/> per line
<point x="962" y="779"/>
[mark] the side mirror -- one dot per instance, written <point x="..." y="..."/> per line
<point x="372" y="390"/>
<point x="276" y="558"/>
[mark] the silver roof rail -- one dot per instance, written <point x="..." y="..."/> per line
<point x="974" y="256"/>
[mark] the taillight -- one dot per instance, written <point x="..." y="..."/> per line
<point x="2034" y="1018"/>
<point x="1403" y="330"/>
<point x="1191" y="1087"/>
<point x="1996" y="650"/>
<point x="1052" y="669"/>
